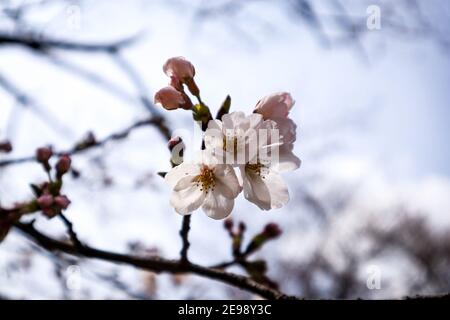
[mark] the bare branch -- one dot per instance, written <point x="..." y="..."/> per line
<point x="71" y="231"/>
<point x="158" y="122"/>
<point x="151" y="264"/>
<point x="39" y="43"/>
<point x="184" y="236"/>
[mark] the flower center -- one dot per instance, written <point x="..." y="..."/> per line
<point x="205" y="180"/>
<point x="256" y="168"/>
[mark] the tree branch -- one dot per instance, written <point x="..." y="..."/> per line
<point x="73" y="235"/>
<point x="38" y="43"/>
<point x="158" y="122"/>
<point x="151" y="264"/>
<point x="184" y="232"/>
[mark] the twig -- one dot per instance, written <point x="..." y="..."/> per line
<point x="38" y="43"/>
<point x="152" y="264"/>
<point x="224" y="265"/>
<point x="70" y="230"/>
<point x="184" y="232"/>
<point x="120" y="135"/>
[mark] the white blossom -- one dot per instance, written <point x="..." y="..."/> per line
<point x="205" y="183"/>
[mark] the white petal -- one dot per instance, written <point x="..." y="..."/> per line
<point x="287" y="160"/>
<point x="207" y="157"/>
<point x="184" y="182"/>
<point x="268" y="193"/>
<point x="287" y="128"/>
<point x="255" y="119"/>
<point x="217" y="206"/>
<point x="279" y="194"/>
<point x="215" y="124"/>
<point x="181" y="171"/>
<point x="187" y="200"/>
<point x="227" y="182"/>
<point x="214" y="135"/>
<point x="232" y="120"/>
<point x="255" y="189"/>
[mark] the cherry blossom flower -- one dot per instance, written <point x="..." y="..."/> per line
<point x="262" y="182"/>
<point x="234" y="138"/>
<point x="205" y="183"/>
<point x="260" y="169"/>
<point x="263" y="186"/>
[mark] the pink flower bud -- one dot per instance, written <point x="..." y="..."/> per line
<point x="62" y="202"/>
<point x="63" y="165"/>
<point x="44" y="154"/>
<point x="45" y="201"/>
<point x="174" y="142"/>
<point x="272" y="230"/>
<point x="276" y="105"/>
<point x="176" y="147"/>
<point x="179" y="68"/>
<point x="228" y="224"/>
<point x="169" y="98"/>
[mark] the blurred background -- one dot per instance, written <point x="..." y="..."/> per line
<point x="369" y="215"/>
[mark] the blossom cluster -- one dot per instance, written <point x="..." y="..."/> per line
<point x="241" y="153"/>
<point x="47" y="195"/>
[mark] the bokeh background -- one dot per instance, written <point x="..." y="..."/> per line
<point x="372" y="107"/>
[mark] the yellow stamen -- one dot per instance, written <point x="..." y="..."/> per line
<point x="255" y="168"/>
<point x="206" y="179"/>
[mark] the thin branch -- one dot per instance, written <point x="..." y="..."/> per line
<point x="184" y="232"/>
<point x="73" y="235"/>
<point x="151" y="264"/>
<point x="224" y="265"/>
<point x="158" y="122"/>
<point x="40" y="43"/>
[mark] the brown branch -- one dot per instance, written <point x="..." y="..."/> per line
<point x="158" y="122"/>
<point x="184" y="237"/>
<point x="151" y="264"/>
<point x="39" y="43"/>
<point x="225" y="265"/>
<point x="73" y="235"/>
